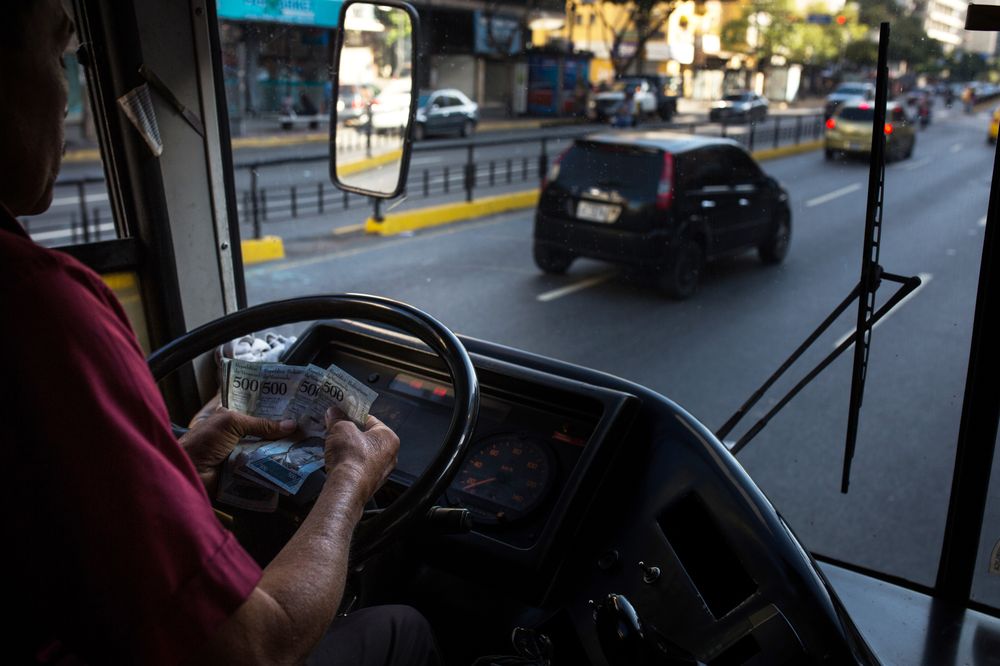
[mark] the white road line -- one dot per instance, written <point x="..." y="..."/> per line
<point x="982" y="221"/>
<point x="830" y="196"/>
<point x="75" y="201"/>
<point x="576" y="286"/>
<point x="957" y="147"/>
<point x="417" y="161"/>
<point x="67" y="233"/>
<point x="924" y="279"/>
<point x="916" y="165"/>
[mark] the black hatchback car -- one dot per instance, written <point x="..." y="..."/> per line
<point x="659" y="201"/>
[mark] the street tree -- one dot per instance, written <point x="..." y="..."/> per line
<point x="908" y="43"/>
<point x="768" y="28"/>
<point x="628" y="26"/>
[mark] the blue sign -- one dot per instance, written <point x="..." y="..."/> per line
<point x="318" y="13"/>
<point x="497" y="35"/>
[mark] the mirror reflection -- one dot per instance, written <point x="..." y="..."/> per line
<point x="373" y="97"/>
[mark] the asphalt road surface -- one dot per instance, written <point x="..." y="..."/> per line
<point x="711" y="352"/>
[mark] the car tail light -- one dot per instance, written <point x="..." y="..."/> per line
<point x="830" y="123"/>
<point x="888" y="129"/>
<point x="665" y="189"/>
<point x="554" y="168"/>
<point x="864" y="106"/>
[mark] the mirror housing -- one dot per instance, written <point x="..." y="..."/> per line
<point x="371" y="139"/>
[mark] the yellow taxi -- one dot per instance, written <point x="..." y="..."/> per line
<point x="849" y="130"/>
<point x="991" y="136"/>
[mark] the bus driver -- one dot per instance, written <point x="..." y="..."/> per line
<point x="117" y="555"/>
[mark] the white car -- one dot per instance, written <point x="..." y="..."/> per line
<point x="606" y="104"/>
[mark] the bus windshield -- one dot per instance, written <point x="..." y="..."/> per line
<point x="773" y="204"/>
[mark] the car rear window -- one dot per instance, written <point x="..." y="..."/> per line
<point x="631" y="171"/>
<point x="854" y="113"/>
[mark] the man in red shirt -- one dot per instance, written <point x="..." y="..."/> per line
<point x="118" y="557"/>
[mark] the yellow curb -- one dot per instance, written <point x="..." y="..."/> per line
<point x="349" y="229"/>
<point x="369" y="163"/>
<point x="785" y="151"/>
<point x="279" y="140"/>
<point x="451" y="212"/>
<point x="120" y="281"/>
<point x="82" y="155"/>
<point x="259" y="250"/>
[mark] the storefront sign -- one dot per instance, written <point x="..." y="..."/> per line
<point x="497" y="35"/>
<point x="319" y="13"/>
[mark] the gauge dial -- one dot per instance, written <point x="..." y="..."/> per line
<point x="504" y="478"/>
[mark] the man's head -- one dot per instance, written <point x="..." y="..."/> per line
<point x="33" y="94"/>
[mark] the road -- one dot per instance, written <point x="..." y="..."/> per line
<point x="711" y="352"/>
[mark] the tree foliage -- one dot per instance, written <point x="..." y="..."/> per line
<point x="633" y="24"/>
<point x="768" y="28"/>
<point x="908" y="41"/>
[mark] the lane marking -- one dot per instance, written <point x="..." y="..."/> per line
<point x="830" y="196"/>
<point x="925" y="278"/>
<point x="417" y="161"/>
<point x="349" y="229"/>
<point x="66" y="233"/>
<point x="954" y="149"/>
<point x="982" y="221"/>
<point x="66" y="201"/>
<point x="575" y="287"/>
<point x="916" y="165"/>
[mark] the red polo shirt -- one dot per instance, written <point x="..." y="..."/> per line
<point x="117" y="555"/>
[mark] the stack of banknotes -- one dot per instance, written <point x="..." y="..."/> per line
<point x="257" y="472"/>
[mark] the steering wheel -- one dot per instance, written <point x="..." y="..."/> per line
<point x="373" y="532"/>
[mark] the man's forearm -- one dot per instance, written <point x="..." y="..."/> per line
<point x="300" y="591"/>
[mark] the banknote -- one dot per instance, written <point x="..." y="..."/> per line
<point x="304" y="394"/>
<point x="260" y="389"/>
<point x="287" y="463"/>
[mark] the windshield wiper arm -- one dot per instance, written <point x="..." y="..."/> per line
<point x="871" y="277"/>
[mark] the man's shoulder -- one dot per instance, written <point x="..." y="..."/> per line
<point x="26" y="265"/>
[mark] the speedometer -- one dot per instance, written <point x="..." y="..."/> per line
<point x="504" y="478"/>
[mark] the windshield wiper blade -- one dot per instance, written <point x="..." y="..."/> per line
<point x="871" y="277"/>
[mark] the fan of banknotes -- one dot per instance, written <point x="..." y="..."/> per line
<point x="258" y="472"/>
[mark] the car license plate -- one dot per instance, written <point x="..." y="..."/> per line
<point x="855" y="145"/>
<point x="597" y="212"/>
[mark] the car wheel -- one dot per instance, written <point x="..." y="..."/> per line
<point x="552" y="260"/>
<point x="828" y="154"/>
<point x="681" y="277"/>
<point x="419" y="132"/>
<point x="467" y="128"/>
<point x="774" y="249"/>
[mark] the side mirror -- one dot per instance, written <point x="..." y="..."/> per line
<point x="370" y="141"/>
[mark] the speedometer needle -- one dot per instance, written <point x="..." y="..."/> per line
<point x="478" y="483"/>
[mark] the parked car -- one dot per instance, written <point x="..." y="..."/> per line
<point x="854" y="90"/>
<point x="352" y="102"/>
<point x="849" y="130"/>
<point x="742" y="106"/>
<point x="605" y="105"/>
<point x="666" y="90"/>
<point x="446" y="111"/>
<point x="991" y="135"/>
<point x="660" y="202"/>
<point x="390" y="109"/>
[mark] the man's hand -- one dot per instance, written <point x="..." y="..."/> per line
<point x="366" y="457"/>
<point x="214" y="433"/>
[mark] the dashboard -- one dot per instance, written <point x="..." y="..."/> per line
<point x="589" y="495"/>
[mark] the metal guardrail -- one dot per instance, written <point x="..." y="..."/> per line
<point x="260" y="204"/>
